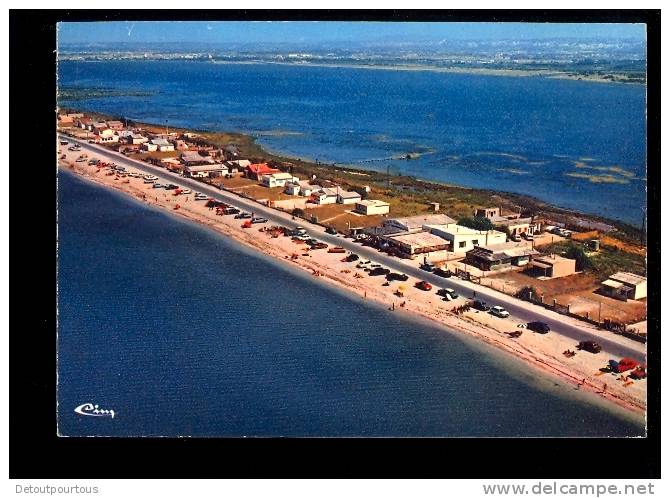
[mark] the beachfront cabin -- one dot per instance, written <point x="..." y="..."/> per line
<point x="462" y="239"/>
<point x="162" y="145"/>
<point x="370" y="207"/>
<point x="136" y="139"/>
<point x="553" y="266"/>
<point x="410" y="245"/>
<point x="255" y="171"/>
<point x="149" y="147"/>
<point x="194" y="158"/>
<point x="324" y="196"/>
<point x="205" y="170"/>
<point x="106" y="136"/>
<point x="417" y="223"/>
<point x="115" y="125"/>
<point x="277" y="179"/>
<point x="624" y="285"/>
<point x="500" y="256"/>
<point x="348" y="197"/>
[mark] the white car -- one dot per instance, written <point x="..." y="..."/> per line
<point x="499" y="311"/>
<point x="186" y="191"/>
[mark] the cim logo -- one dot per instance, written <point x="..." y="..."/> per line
<point x="91" y="410"/>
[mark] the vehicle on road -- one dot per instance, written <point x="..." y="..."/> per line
<point x="352" y="257"/>
<point x="259" y="220"/>
<point x="186" y="191"/>
<point x="539" y="327"/>
<point x="242" y="216"/>
<point x="590" y="346"/>
<point x="340" y="250"/>
<point x="331" y="231"/>
<point x="443" y="273"/>
<point x="201" y="197"/>
<point x="423" y="285"/>
<point x="499" y="311"/>
<point x="81" y="160"/>
<point x="64" y="142"/>
<point x="158" y="185"/>
<point x="481" y="306"/>
<point x="231" y="210"/>
<point x="428" y="267"/>
<point x="171" y="186"/>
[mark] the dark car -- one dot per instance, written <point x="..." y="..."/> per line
<point x="590" y="346"/>
<point x="481" y="306"/>
<point x="231" y="210"/>
<point x="379" y="271"/>
<point x="397" y="276"/>
<point x="331" y="231"/>
<point x="319" y="245"/>
<point x="242" y="216"/>
<point x="169" y="186"/>
<point x="443" y="273"/>
<point x="539" y="327"/>
<point x="428" y="267"/>
<point x="352" y="257"/>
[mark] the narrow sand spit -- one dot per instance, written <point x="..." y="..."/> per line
<point x="543" y="353"/>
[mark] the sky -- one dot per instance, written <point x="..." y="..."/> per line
<point x="277" y="32"/>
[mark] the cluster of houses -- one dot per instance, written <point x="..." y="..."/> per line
<point x="317" y="194"/>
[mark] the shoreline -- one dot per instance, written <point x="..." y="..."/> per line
<point x="423" y="190"/>
<point x="546" y="359"/>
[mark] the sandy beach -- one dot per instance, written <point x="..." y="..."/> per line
<point x="543" y="353"/>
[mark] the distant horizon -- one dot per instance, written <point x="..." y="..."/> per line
<point x="315" y="32"/>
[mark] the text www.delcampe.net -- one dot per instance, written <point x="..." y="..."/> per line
<point x="555" y="488"/>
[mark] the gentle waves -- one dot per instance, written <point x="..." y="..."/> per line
<point x="576" y="144"/>
<point x="183" y="332"/>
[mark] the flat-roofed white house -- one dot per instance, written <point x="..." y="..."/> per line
<point x="277" y="179"/>
<point x="205" y="170"/>
<point x="107" y="136"/>
<point x="624" y="285"/>
<point x="162" y="145"/>
<point x="324" y="196"/>
<point x="410" y="245"/>
<point x="416" y="223"/>
<point x="348" y="197"/>
<point x="135" y="138"/>
<point x="371" y="207"/>
<point x="462" y="239"/>
<point x="149" y="147"/>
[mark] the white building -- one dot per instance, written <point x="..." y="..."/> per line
<point x="107" y="136"/>
<point x="462" y="239"/>
<point x="371" y="207"/>
<point x="625" y="285"/>
<point x="324" y="196"/>
<point x="416" y="223"/>
<point x="135" y="138"/>
<point x="348" y="197"/>
<point x="277" y="179"/>
<point x="205" y="170"/>
<point x="162" y="145"/>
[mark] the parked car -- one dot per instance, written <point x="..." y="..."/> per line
<point x="539" y="327"/>
<point x="379" y="271"/>
<point x="259" y="220"/>
<point x="242" y="216"/>
<point x="481" y="306"/>
<point x="331" y="231"/>
<point x="170" y="186"/>
<point x="499" y="311"/>
<point x="352" y="257"/>
<point x="423" y="285"/>
<point x="451" y="293"/>
<point x="590" y="346"/>
<point x="428" y="267"/>
<point x="319" y="245"/>
<point x="231" y="210"/>
<point x="396" y="276"/>
<point x="157" y="185"/>
<point x="443" y="273"/>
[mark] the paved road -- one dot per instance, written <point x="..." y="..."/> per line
<point x="523" y="311"/>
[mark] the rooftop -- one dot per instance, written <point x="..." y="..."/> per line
<point x="349" y="194"/>
<point x="422" y="239"/>
<point x="206" y="167"/>
<point x="628" y="278"/>
<point x="373" y="202"/>
<point x="551" y="259"/>
<point x="455" y="229"/>
<point x="160" y="141"/>
<point x="413" y="222"/>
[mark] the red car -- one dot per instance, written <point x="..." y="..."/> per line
<point x="423" y="285"/>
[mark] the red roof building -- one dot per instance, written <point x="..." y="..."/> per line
<point x="255" y="171"/>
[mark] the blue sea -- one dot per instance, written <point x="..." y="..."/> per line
<point x="183" y="332"/>
<point x="576" y="144"/>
